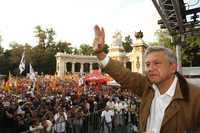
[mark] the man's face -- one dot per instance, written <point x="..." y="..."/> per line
<point x="158" y="68"/>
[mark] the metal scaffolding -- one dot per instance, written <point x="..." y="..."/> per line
<point x="181" y="18"/>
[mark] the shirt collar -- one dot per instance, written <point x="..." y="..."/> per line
<point x="170" y="92"/>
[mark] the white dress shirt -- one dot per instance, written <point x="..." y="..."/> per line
<point x="105" y="61"/>
<point x="158" y="107"/>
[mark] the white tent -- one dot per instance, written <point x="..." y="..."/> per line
<point x="113" y="83"/>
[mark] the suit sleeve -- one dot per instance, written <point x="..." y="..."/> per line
<point x="134" y="82"/>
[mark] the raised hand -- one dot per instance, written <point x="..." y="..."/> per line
<point x="99" y="39"/>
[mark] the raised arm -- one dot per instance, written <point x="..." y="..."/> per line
<point x="129" y="80"/>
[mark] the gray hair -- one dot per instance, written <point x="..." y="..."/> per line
<point x="168" y="52"/>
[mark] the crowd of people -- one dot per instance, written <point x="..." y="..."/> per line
<point x="167" y="101"/>
<point x="62" y="105"/>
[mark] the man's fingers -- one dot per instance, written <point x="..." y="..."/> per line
<point x="102" y="32"/>
<point x="97" y="30"/>
<point x="98" y="42"/>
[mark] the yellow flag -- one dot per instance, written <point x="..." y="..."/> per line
<point x="7" y="86"/>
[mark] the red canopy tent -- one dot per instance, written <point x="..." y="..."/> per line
<point x="96" y="77"/>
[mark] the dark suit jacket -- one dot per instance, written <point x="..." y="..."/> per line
<point x="182" y="114"/>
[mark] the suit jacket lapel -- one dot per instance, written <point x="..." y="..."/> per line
<point x="146" y="109"/>
<point x="173" y="107"/>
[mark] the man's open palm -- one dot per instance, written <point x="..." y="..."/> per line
<point x="99" y="39"/>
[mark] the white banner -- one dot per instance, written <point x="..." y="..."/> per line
<point x="22" y="63"/>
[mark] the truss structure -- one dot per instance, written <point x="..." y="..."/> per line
<point x="178" y="16"/>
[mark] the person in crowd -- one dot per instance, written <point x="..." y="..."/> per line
<point x="78" y="119"/>
<point x="110" y="103"/>
<point x="169" y="104"/>
<point x="60" y="121"/>
<point x="36" y="126"/>
<point x="47" y="125"/>
<point x="107" y="115"/>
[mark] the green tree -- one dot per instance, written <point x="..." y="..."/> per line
<point x="190" y="53"/>
<point x="4" y="67"/>
<point x="76" y="51"/>
<point x="85" y="49"/>
<point x="49" y="61"/>
<point x="5" y="63"/>
<point x="41" y="35"/>
<point x="50" y="33"/>
<point x="38" y="58"/>
<point x="127" y="44"/>
<point x="63" y="46"/>
<point x="106" y="48"/>
<point x="1" y="50"/>
<point x="164" y="39"/>
<point x="10" y="59"/>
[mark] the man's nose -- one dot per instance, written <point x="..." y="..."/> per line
<point x="151" y="67"/>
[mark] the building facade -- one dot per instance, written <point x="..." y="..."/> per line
<point x="133" y="60"/>
<point x="69" y="63"/>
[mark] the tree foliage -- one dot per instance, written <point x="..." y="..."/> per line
<point x="50" y="37"/>
<point x="42" y="56"/>
<point x="5" y="63"/>
<point x="41" y="35"/>
<point x="106" y="48"/>
<point x="127" y="44"/>
<point x="63" y="46"/>
<point x="1" y="50"/>
<point x="86" y="49"/>
<point x="190" y="53"/>
<point x="165" y="39"/>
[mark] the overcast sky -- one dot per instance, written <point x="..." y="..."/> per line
<point x="73" y="20"/>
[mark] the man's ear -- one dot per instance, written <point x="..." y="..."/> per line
<point x="174" y="67"/>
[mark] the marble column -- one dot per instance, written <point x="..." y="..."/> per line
<point x="73" y="67"/>
<point x="65" y="67"/>
<point x="61" y="66"/>
<point x="90" y="67"/>
<point x="81" y="70"/>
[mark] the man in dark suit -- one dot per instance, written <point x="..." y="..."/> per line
<point x="169" y="104"/>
